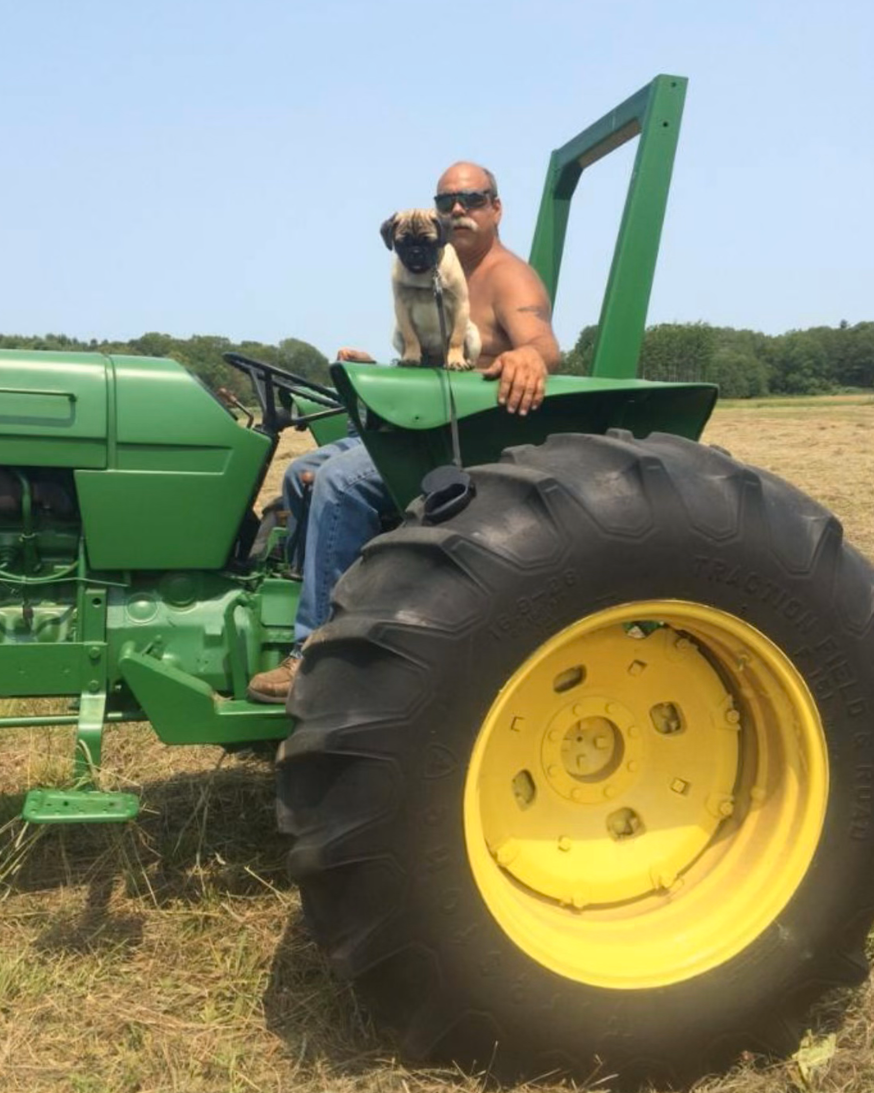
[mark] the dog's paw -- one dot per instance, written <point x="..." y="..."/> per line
<point x="458" y="364"/>
<point x="410" y="362"/>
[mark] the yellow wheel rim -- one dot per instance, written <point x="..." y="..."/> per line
<point x="646" y="794"/>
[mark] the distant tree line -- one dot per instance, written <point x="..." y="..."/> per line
<point x="201" y="353"/>
<point x="747" y="364"/>
<point x="744" y="363"/>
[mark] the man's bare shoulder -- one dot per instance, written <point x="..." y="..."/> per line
<point x="508" y="269"/>
<point x="514" y="284"/>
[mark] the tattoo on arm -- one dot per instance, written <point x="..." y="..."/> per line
<point x="538" y="310"/>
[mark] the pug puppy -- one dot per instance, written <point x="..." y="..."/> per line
<point x="419" y="238"/>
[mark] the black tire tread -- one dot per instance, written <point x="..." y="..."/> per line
<point x="341" y="782"/>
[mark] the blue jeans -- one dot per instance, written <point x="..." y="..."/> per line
<point x="294" y="493"/>
<point x="348" y="501"/>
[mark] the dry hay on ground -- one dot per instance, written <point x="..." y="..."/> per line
<point x="825" y="448"/>
<point x="291" y="444"/>
<point x="170" y="956"/>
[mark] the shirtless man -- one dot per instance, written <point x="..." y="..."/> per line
<point x="508" y="302"/>
<point x="510" y="306"/>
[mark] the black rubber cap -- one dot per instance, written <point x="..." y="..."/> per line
<point x="447" y="491"/>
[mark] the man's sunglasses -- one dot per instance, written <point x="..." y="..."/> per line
<point x="467" y="199"/>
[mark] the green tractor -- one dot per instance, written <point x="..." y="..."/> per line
<point x="582" y="766"/>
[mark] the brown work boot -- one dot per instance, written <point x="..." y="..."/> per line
<point x="273" y="686"/>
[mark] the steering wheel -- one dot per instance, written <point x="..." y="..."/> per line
<point x="268" y="380"/>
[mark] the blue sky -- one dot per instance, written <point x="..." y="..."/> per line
<point x="222" y="167"/>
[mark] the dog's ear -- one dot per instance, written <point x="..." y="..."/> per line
<point x="387" y="231"/>
<point x="442" y="225"/>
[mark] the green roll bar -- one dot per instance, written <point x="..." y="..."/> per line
<point x="654" y="114"/>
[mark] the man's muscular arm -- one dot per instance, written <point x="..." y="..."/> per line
<point x="522" y="309"/>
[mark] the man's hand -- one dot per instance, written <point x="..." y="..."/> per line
<point x="523" y="379"/>
<point x="354" y="356"/>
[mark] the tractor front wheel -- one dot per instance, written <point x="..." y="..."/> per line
<point x="584" y="776"/>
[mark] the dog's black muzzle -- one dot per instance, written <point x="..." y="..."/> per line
<point x="419" y="255"/>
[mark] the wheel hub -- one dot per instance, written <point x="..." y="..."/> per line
<point x="584" y="748"/>
<point x="591" y="748"/>
<point x="657" y="766"/>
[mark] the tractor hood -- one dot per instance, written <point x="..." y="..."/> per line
<point x="163" y="474"/>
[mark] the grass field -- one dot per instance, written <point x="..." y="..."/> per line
<point x="170" y="954"/>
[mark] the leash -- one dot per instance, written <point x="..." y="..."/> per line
<point x="448" y="489"/>
<point x="444" y="337"/>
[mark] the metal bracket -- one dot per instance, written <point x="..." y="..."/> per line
<point x="89" y="739"/>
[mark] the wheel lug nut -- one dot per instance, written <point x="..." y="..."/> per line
<point x="663" y="879"/>
<point x="507" y="852"/>
<point x="720" y="805"/>
<point x="624" y="823"/>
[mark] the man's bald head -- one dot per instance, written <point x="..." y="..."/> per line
<point x="472" y="175"/>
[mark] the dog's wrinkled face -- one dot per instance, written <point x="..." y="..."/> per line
<point x="417" y="236"/>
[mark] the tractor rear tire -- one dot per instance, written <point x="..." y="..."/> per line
<point x="583" y="777"/>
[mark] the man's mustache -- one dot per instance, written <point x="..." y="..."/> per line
<point x="465" y="222"/>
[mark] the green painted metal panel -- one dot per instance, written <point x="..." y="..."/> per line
<point x="414" y="398"/>
<point x="653" y="114"/>
<point x="164" y="474"/>
<point x="53" y="409"/>
<point x="325" y="430"/>
<point x="419" y="398"/>
<point x="403" y="415"/>
<point x="180" y="477"/>
<point x="43" y="668"/>
<point x="185" y="710"/>
<point x="141" y="520"/>
<point x="279" y="601"/>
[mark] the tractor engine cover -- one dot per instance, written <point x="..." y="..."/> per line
<point x="163" y="475"/>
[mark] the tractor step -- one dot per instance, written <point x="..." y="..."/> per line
<point x="79" y="806"/>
